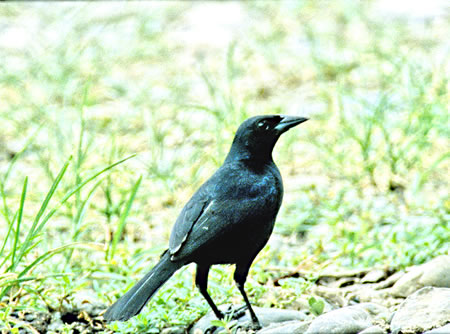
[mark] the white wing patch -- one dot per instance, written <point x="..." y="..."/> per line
<point x="205" y="219"/>
<point x="199" y="222"/>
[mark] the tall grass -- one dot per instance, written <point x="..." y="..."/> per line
<point x="33" y="235"/>
<point x="366" y="178"/>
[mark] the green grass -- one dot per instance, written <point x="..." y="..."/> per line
<point x="366" y="178"/>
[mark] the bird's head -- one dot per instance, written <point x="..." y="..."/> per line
<point x="256" y="136"/>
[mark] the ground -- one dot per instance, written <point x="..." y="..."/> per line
<point x="164" y="85"/>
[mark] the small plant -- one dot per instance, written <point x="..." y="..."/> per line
<point x="366" y="182"/>
<point x="16" y="272"/>
<point x="316" y="306"/>
<point x="228" y="324"/>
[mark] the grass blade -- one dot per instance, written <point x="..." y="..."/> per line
<point x="16" y="157"/>
<point x="77" y="188"/>
<point x="19" y="221"/>
<point x="5" y="258"/>
<point x="44" y="257"/>
<point x="34" y="230"/>
<point x="123" y="218"/>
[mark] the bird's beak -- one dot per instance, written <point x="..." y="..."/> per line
<point x="288" y="122"/>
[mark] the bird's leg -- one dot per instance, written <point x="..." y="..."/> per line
<point x="240" y="276"/>
<point x="201" y="281"/>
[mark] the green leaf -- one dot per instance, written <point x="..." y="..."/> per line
<point x="123" y="217"/>
<point x="19" y="221"/>
<point x="316" y="305"/>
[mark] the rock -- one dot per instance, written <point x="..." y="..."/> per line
<point x="88" y="302"/>
<point x="407" y="284"/>
<point x="434" y="273"/>
<point x="373" y="330"/>
<point x="425" y="309"/>
<point x="291" y="327"/>
<point x="374" y="276"/>
<point x="266" y="317"/>
<point x="437" y="272"/>
<point x="376" y="311"/>
<point x="37" y="320"/>
<point x="440" y="330"/>
<point x="350" y="319"/>
<point x="333" y="296"/>
<point x="390" y="281"/>
<point x="56" y="323"/>
<point x="366" y="294"/>
<point x="173" y="330"/>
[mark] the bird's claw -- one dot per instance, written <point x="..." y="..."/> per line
<point x="256" y="326"/>
<point x="253" y="326"/>
<point x="235" y="314"/>
<point x="211" y="330"/>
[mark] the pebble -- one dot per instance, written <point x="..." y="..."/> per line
<point x="423" y="310"/>
<point x="266" y="317"/>
<point x="291" y="327"/>
<point x="350" y="319"/>
<point x="374" y="276"/>
<point x="373" y="330"/>
<point x="433" y="273"/>
<point x="173" y="330"/>
<point x="440" y="330"/>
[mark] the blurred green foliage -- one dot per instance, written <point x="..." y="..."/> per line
<point x="366" y="178"/>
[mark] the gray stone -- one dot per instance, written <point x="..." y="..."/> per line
<point x="174" y="330"/>
<point x="373" y="330"/>
<point x="425" y="309"/>
<point x="408" y="283"/>
<point x="349" y="320"/>
<point x="56" y="323"/>
<point x="291" y="327"/>
<point x="440" y="330"/>
<point x="376" y="311"/>
<point x="87" y="301"/>
<point x="434" y="273"/>
<point x="388" y="282"/>
<point x="374" y="276"/>
<point x="437" y="272"/>
<point x="266" y="317"/>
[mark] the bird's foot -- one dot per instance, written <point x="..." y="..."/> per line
<point x="230" y="317"/>
<point x="250" y="326"/>
<point x="236" y="313"/>
<point x="256" y="326"/>
<point x="233" y="313"/>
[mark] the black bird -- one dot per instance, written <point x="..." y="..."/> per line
<point x="227" y="221"/>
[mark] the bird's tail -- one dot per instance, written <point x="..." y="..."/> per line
<point x="135" y="299"/>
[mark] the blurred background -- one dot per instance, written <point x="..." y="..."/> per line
<point x="84" y="86"/>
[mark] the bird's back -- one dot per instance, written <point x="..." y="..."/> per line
<point x="233" y="213"/>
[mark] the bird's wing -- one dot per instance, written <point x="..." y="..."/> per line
<point x="185" y="221"/>
<point x="203" y="221"/>
<point x="226" y="200"/>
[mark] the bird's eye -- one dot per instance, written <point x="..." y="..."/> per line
<point x="264" y="125"/>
